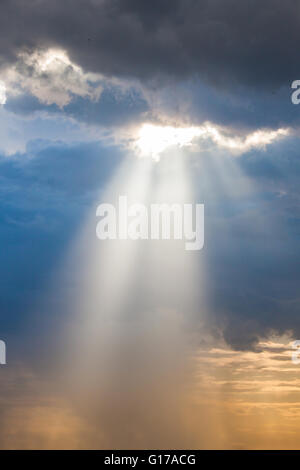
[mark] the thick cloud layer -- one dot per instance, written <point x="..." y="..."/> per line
<point x="224" y="42"/>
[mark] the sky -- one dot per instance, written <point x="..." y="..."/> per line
<point x="141" y="344"/>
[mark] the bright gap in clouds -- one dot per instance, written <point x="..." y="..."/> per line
<point x="153" y="140"/>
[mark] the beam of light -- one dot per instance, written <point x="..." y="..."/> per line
<point x="127" y="334"/>
<point x="106" y="267"/>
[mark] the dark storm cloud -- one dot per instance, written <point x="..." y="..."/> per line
<point x="250" y="42"/>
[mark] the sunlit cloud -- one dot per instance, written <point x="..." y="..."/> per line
<point x="2" y="93"/>
<point x="52" y="77"/>
<point x="152" y="140"/>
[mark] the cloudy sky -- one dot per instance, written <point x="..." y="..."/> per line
<point x="142" y="344"/>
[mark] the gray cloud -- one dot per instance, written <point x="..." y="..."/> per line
<point x="222" y="42"/>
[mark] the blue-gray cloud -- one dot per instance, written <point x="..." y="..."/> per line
<point x="44" y="196"/>
<point x="111" y="109"/>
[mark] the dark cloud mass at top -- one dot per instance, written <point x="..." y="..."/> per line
<point x="252" y="43"/>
